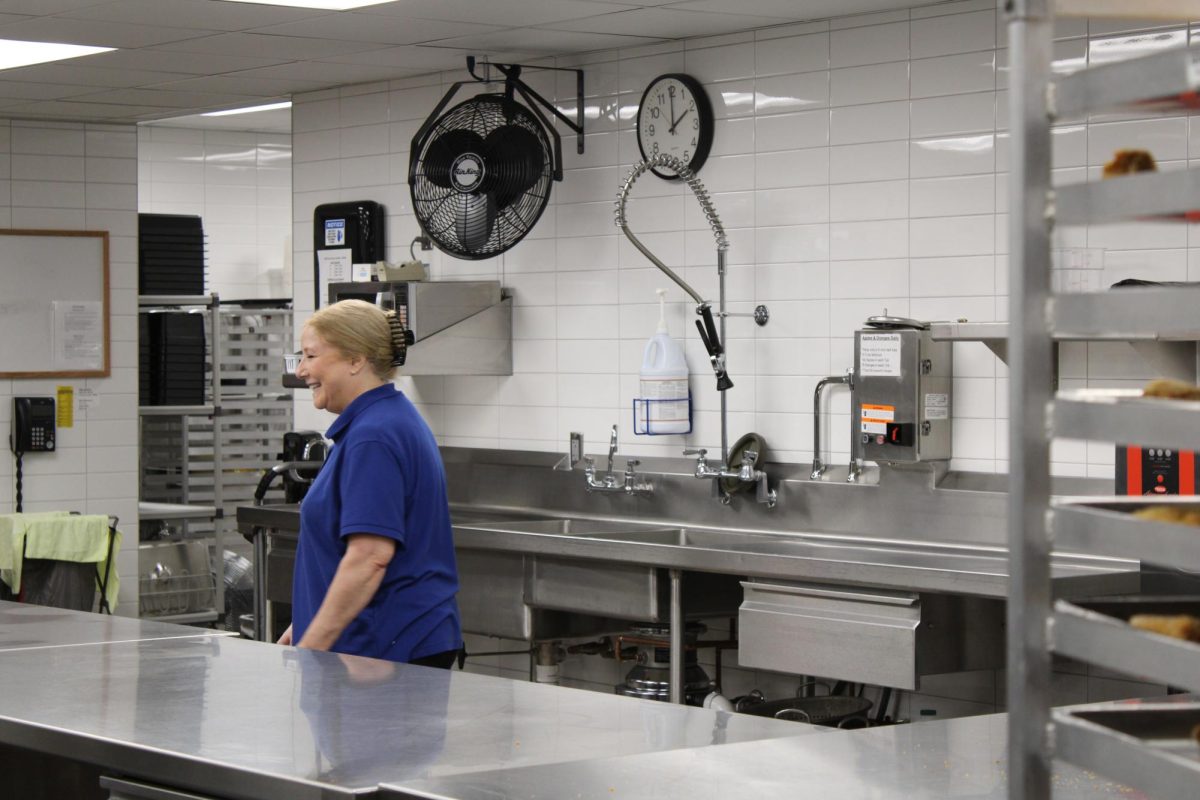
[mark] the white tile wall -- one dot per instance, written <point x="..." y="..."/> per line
<point x="78" y="176"/>
<point x="859" y="164"/>
<point x="240" y="184"/>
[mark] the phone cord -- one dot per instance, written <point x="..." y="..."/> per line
<point x="19" y="498"/>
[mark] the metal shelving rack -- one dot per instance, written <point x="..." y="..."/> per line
<point x="158" y="490"/>
<point x="1143" y="745"/>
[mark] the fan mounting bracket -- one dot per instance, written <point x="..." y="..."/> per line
<point x="512" y="80"/>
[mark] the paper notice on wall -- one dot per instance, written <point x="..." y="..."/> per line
<point x="65" y="407"/>
<point x="879" y="355"/>
<point x="78" y="331"/>
<point x="87" y="398"/>
<point x="333" y="266"/>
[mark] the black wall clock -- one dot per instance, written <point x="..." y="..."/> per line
<point x="675" y="117"/>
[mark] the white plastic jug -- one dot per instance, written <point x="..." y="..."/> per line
<point x="665" y="406"/>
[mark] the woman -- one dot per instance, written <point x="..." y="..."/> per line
<point x="375" y="572"/>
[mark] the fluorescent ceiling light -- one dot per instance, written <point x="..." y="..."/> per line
<point x="328" y="5"/>
<point x="15" y="53"/>
<point x="229" y="112"/>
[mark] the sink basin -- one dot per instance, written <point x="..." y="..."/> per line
<point x="570" y="527"/>
<point x="678" y="537"/>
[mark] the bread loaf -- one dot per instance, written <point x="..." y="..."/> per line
<point x="1125" y="162"/>
<point x="1180" y="515"/>
<point x="1176" y="390"/>
<point x="1179" y="626"/>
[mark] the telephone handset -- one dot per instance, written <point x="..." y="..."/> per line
<point x="33" y="428"/>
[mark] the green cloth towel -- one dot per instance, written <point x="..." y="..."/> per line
<point x="60" y="536"/>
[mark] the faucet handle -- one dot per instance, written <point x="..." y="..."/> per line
<point x="631" y="464"/>
<point x="698" y="452"/>
<point x="749" y="457"/>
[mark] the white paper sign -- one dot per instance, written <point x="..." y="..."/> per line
<point x="78" y="331"/>
<point x="333" y="266"/>
<point x="879" y="355"/>
<point x="86" y="398"/>
<point x="937" y="406"/>
<point x="361" y="273"/>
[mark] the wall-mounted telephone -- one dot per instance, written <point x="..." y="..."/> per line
<point x="33" y="425"/>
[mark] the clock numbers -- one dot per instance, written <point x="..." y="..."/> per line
<point x="675" y="118"/>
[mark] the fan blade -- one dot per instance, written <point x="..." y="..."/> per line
<point x="445" y="149"/>
<point x="514" y="161"/>
<point x="473" y="224"/>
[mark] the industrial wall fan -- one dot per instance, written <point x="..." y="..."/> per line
<point x="480" y="173"/>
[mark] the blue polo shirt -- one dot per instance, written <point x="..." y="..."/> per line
<point x="384" y="476"/>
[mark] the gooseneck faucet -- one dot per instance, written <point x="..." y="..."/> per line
<point x="608" y="482"/>
<point x="714" y="339"/>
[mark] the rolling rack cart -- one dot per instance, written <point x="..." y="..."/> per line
<point x="1145" y="745"/>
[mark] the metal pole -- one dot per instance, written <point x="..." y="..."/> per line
<point x="676" y="674"/>
<point x="725" y="344"/>
<point x="262" y="625"/>
<point x="1031" y="376"/>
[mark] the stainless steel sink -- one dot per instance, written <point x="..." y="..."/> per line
<point x="571" y="527"/>
<point x="679" y="537"/>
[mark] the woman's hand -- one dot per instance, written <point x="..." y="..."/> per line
<point x="286" y="638"/>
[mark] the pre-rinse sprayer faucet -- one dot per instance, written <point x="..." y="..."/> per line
<point x="714" y="339"/>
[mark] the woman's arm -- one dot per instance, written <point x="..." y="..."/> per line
<point x="358" y="576"/>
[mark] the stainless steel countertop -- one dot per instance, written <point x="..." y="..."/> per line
<point x="243" y="719"/>
<point x="958" y="758"/>
<point x="24" y="626"/>
<point x="972" y="570"/>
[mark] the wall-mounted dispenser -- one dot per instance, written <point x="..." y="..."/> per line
<point x="902" y="382"/>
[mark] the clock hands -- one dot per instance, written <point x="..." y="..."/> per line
<point x="677" y="121"/>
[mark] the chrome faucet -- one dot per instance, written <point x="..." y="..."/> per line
<point x="608" y="482"/>
<point x="746" y="473"/>
<point x="819" y="467"/>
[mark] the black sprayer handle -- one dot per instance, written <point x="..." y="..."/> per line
<point x="704" y="338"/>
<point x="705" y="313"/>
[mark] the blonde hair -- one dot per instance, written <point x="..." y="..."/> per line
<point x="357" y="328"/>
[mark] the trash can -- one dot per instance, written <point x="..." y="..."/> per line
<point x="61" y="584"/>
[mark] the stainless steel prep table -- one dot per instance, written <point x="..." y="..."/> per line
<point x="957" y="758"/>
<point x="24" y="626"/>
<point x="240" y="719"/>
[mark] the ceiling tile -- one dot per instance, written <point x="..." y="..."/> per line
<point x="165" y="99"/>
<point x="84" y="75"/>
<point x="38" y="8"/>
<point x="276" y="121"/>
<point x="328" y="74"/>
<point x="175" y="63"/>
<point x="511" y="13"/>
<point x="794" y="10"/>
<point x="67" y="109"/>
<point x="190" y="14"/>
<point x="666" y="23"/>
<point x="375" y="28"/>
<point x="544" y="42"/>
<point x="427" y="59"/>
<point x="237" y="83"/>
<point x="95" y="33"/>
<point x="41" y="91"/>
<point x="295" y="48"/>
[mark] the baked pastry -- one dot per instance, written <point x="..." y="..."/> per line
<point x="1180" y="515"/>
<point x="1196" y="733"/>
<point x="1126" y="162"/>
<point x="1176" y="390"/>
<point x="1178" y="626"/>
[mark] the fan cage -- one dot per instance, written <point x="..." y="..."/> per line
<point x="490" y="220"/>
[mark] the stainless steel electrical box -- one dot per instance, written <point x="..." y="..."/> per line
<point x="902" y="397"/>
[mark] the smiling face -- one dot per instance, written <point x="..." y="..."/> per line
<point x="334" y="378"/>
